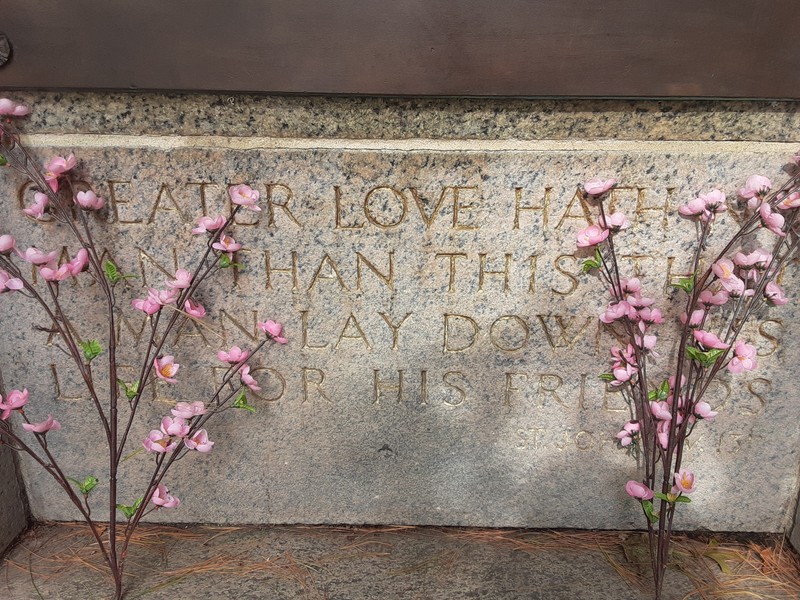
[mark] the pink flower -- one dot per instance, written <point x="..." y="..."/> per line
<point x="59" y="165"/>
<point x="624" y="438"/>
<point x="735" y="287"/>
<point x="591" y="236"/>
<point x="705" y="206"/>
<point x="247" y="379"/>
<point x="617" y="311"/>
<point x="8" y="283"/>
<point x="693" y="208"/>
<point x="274" y="330"/>
<point x="684" y="481"/>
<point x="714" y="201"/>
<point x="744" y="358"/>
<point x="166" y="368"/>
<point x="723" y="268"/>
<point x="772" y="220"/>
<point x="702" y="410"/>
<point x="651" y="316"/>
<point x="646" y="342"/>
<point x="59" y="274"/>
<point x="158" y="441"/>
<point x="183" y="279"/>
<point x="639" y="301"/>
<point x="709" y="340"/>
<point x="199" y="441"/>
<point x="89" y="200"/>
<point x="630" y="286"/>
<point x="227" y="244"/>
<point x="16" y="399"/>
<point x="184" y="410"/>
<point x="757" y="258"/>
<point x="789" y="202"/>
<point x="708" y="298"/>
<point x="622" y="374"/>
<point x="598" y="187"/>
<point x="12" y="109"/>
<point x="615" y="222"/>
<point x="638" y="490"/>
<point x="662" y="433"/>
<point x="146" y="305"/>
<point x="234" y="355"/>
<point x="7" y="244"/>
<point x="79" y="263"/>
<point x="161" y="497"/>
<point x="623" y="357"/>
<point x="696" y="319"/>
<point x="174" y="426"/>
<point x="39" y="206"/>
<point x="162" y="297"/>
<point x="245" y="196"/>
<point x="661" y="411"/>
<point x="774" y="294"/>
<point x="756" y="185"/>
<point x="50" y="424"/>
<point x="39" y="257"/>
<point x="631" y="427"/>
<point x="194" y="309"/>
<point x="207" y="224"/>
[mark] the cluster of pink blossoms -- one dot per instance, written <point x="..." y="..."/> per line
<point x="608" y="224"/>
<point x="156" y="299"/>
<point x="15" y="400"/>
<point x="176" y="429"/>
<point x="683" y="483"/>
<point x="241" y="195"/>
<point x="47" y="262"/>
<point x="734" y="278"/>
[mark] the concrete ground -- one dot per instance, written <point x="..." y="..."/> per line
<point x="58" y="561"/>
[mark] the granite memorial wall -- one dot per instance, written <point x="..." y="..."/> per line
<point x="443" y="346"/>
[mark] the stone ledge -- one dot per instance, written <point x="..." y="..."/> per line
<point x="245" y="115"/>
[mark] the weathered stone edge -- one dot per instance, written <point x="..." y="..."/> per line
<point x="246" y="115"/>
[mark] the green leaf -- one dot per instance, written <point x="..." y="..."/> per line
<point x="241" y="402"/>
<point x="684" y="499"/>
<point x="663" y="390"/>
<point x="652" y="394"/>
<point x="661" y="496"/>
<point x="129" y="511"/>
<point x="130" y="390"/>
<point x="589" y="264"/>
<point x="112" y="273"/>
<point x="607" y="377"/>
<point x="705" y="358"/>
<point x="225" y="262"/>
<point x="3" y="161"/>
<point x="91" y="349"/>
<point x="685" y="283"/>
<point x="648" y="510"/>
<point x="87" y="485"/>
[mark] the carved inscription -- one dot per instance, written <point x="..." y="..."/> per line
<point x="451" y="296"/>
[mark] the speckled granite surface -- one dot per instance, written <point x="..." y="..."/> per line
<point x="500" y="420"/>
<point x="401" y="272"/>
<point x="13" y="516"/>
<point x="382" y="118"/>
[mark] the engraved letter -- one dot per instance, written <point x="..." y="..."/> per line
<point x="449" y="344"/>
